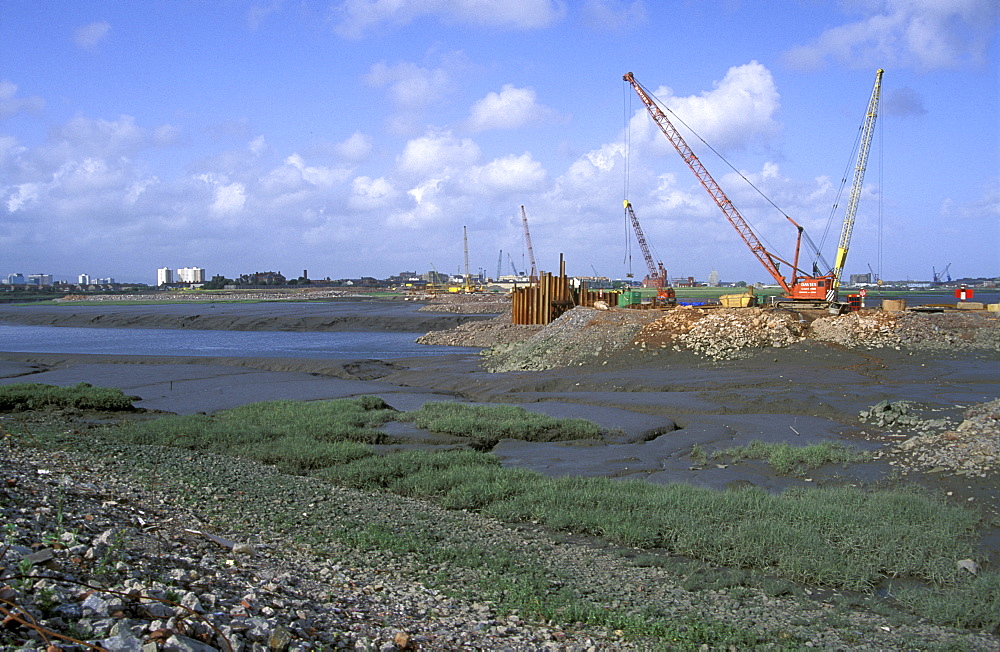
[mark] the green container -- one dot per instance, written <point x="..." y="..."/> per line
<point x="629" y="298"/>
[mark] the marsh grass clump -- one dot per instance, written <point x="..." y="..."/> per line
<point x="295" y="436"/>
<point x="486" y="425"/>
<point x="838" y="537"/>
<point x="83" y="396"/>
<point x="795" y="460"/>
<point x="970" y="603"/>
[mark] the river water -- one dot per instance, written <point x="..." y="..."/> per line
<point x="187" y="342"/>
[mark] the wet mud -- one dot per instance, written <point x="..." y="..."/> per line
<point x="665" y="414"/>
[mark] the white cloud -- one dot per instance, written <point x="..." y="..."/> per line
<point x="737" y="113"/>
<point x="10" y="104"/>
<point x="924" y="34"/>
<point x="507" y="175"/>
<point x="368" y="194"/>
<point x="509" y="109"/>
<point x="356" y="148"/>
<point x="355" y="18"/>
<point x="88" y="36"/>
<point x="227" y="198"/>
<point x="435" y="153"/>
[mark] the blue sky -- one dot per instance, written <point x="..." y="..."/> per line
<point x="358" y="137"/>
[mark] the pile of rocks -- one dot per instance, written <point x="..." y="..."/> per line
<point x="910" y="330"/>
<point x="87" y="561"/>
<point x="579" y="336"/>
<point x="483" y="334"/>
<point x="585" y="334"/>
<point x="723" y="334"/>
<point x="972" y="449"/>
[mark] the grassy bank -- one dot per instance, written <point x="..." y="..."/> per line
<point x="842" y="538"/>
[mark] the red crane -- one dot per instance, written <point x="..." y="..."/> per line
<point x="800" y="290"/>
<point x="527" y="243"/>
<point x="656" y="276"/>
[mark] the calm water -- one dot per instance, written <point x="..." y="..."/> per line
<point x="244" y="344"/>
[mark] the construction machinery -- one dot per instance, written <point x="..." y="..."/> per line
<point x="801" y="290"/>
<point x="865" y="142"/>
<point x="656" y="276"/>
<point x="527" y="243"/>
<point x="939" y="277"/>
<point x="468" y="277"/>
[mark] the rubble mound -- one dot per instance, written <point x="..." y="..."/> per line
<point x="579" y="336"/>
<point x="909" y="330"/>
<point x="585" y="334"/>
<point x="972" y="449"/>
<point x="722" y="334"/>
<point x="491" y="332"/>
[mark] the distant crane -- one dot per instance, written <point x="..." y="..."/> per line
<point x="465" y="244"/>
<point x="938" y="277"/>
<point x="527" y="243"/>
<point x="499" y="264"/>
<point x="656" y="276"/>
<point x="513" y="267"/>
<point x="875" y="277"/>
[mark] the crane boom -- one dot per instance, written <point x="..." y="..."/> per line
<point x="867" y="130"/>
<point x="465" y="246"/>
<point x="798" y="287"/>
<point x="656" y="275"/>
<point x="527" y="244"/>
<point x="741" y="226"/>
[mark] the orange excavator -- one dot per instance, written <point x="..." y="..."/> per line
<point x="801" y="290"/>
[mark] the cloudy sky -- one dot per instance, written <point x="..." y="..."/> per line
<point x="358" y="137"/>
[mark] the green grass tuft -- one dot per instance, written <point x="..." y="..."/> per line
<point x="795" y="460"/>
<point x="488" y="424"/>
<point x="37" y="396"/>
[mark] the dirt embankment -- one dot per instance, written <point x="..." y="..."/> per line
<point x="469" y="304"/>
<point x="585" y="334"/>
<point x="321" y="316"/>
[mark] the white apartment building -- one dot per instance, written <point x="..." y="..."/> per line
<point x="191" y="275"/>
<point x="164" y="276"/>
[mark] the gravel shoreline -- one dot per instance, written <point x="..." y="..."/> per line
<point x="128" y="523"/>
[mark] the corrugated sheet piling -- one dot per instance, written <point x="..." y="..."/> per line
<point x="542" y="302"/>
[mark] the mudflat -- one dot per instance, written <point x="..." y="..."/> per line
<point x="666" y="408"/>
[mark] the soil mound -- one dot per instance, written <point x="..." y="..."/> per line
<point x="587" y="335"/>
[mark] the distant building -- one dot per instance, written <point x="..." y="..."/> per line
<point x="191" y="275"/>
<point x="15" y="279"/>
<point x="713" y="279"/>
<point x="861" y="279"/>
<point x="164" y="276"/>
<point x="40" y="280"/>
<point x="262" y="278"/>
<point x="83" y="279"/>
